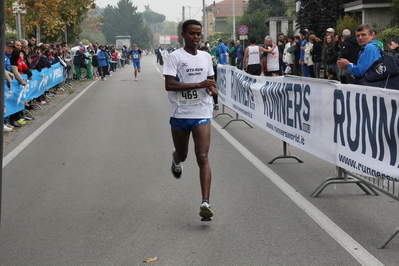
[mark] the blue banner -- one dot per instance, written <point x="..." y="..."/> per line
<point x="41" y="81"/>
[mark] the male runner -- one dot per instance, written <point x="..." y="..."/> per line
<point x="190" y="84"/>
<point x="136" y="57"/>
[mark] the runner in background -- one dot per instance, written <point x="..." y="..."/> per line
<point x="136" y="55"/>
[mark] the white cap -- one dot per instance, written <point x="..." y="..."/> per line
<point x="330" y="30"/>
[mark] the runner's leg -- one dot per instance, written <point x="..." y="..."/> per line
<point x="180" y="141"/>
<point x="202" y="139"/>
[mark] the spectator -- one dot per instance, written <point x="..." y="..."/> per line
<point x="271" y="57"/>
<point x="330" y="31"/>
<point x="44" y="61"/>
<point x="332" y="74"/>
<point x="15" y="56"/>
<point x="94" y="62"/>
<point x="79" y="62"/>
<point x="349" y="50"/>
<point x="114" y="61"/>
<point x="252" y="57"/>
<point x="330" y="53"/>
<point x="35" y="58"/>
<point x="222" y="52"/>
<point x="7" y="64"/>
<point x="288" y="57"/>
<point x="394" y="46"/>
<point x="215" y="64"/>
<point x="308" y="59"/>
<point x="232" y="53"/>
<point x="102" y="58"/>
<point x="379" y="43"/>
<point x="32" y="42"/>
<point x="281" y="41"/>
<point x="82" y="46"/>
<point x="89" y="65"/>
<point x="369" y="53"/>
<point x="240" y="54"/>
<point x="305" y="69"/>
<point x="295" y="49"/>
<point x="316" y="55"/>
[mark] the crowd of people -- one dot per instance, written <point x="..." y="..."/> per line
<point x="98" y="61"/>
<point x="305" y="54"/>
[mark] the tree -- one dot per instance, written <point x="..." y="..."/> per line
<point x="319" y="15"/>
<point x="257" y="11"/>
<point x="51" y="16"/>
<point x="92" y="26"/>
<point x="395" y="13"/>
<point x="124" y="20"/>
<point x="152" y="17"/>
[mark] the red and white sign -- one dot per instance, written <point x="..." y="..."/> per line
<point x="243" y="30"/>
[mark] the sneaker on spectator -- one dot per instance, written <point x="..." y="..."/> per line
<point x="21" y="122"/>
<point x="28" y="118"/>
<point x="43" y="102"/>
<point x="7" y="128"/>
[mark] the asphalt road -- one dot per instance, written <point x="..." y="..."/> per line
<point x="90" y="184"/>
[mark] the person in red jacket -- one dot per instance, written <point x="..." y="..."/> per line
<point x="23" y="67"/>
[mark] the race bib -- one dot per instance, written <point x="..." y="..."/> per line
<point x="192" y="97"/>
<point x="135" y="56"/>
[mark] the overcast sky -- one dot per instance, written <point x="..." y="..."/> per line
<point x="172" y="9"/>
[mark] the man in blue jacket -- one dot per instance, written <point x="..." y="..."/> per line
<point x="222" y="52"/>
<point x="102" y="58"/>
<point x="240" y="54"/>
<point x="368" y="54"/>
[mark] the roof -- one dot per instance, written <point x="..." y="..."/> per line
<point x="225" y="8"/>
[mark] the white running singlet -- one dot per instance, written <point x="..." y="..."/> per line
<point x="253" y="55"/>
<point x="188" y="68"/>
<point x="273" y="63"/>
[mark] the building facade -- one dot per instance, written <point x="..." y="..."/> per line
<point x="375" y="13"/>
<point x="218" y="15"/>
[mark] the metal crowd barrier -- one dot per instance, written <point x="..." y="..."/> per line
<point x="389" y="188"/>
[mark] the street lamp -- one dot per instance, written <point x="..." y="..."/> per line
<point x="18" y="9"/>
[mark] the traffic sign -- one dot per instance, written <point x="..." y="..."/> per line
<point x="243" y="30"/>
<point x="243" y="37"/>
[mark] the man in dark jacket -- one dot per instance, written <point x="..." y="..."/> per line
<point x="79" y="62"/>
<point x="350" y="51"/>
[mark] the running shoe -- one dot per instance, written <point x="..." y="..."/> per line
<point x="177" y="169"/>
<point x="135" y="79"/>
<point x="205" y="210"/>
<point x="7" y="128"/>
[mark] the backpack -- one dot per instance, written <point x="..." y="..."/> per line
<point x="383" y="73"/>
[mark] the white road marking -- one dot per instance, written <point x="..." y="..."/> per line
<point x="347" y="242"/>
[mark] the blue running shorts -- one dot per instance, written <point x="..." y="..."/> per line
<point x="136" y="64"/>
<point x="187" y="124"/>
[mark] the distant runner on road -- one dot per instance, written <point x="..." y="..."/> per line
<point x="190" y="84"/>
<point x="136" y="58"/>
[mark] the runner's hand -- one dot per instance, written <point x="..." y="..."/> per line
<point x="212" y="91"/>
<point x="207" y="83"/>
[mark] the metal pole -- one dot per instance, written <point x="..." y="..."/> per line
<point x="205" y="21"/>
<point x="183" y="14"/>
<point x="234" y="21"/>
<point x="2" y="45"/>
<point x="18" y="17"/>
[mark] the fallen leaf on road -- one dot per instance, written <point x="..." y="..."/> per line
<point x="150" y="259"/>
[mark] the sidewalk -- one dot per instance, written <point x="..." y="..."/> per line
<point x="37" y="112"/>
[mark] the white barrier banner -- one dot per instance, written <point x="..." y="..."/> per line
<point x="354" y="127"/>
